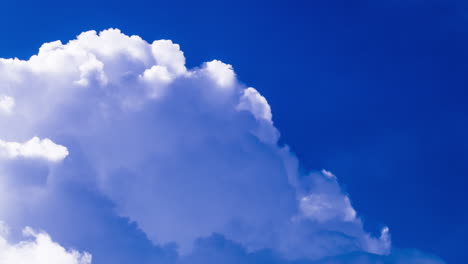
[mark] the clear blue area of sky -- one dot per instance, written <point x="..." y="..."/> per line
<point x="375" y="91"/>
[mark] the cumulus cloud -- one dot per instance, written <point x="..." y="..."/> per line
<point x="33" y="148"/>
<point x="255" y="103"/>
<point x="169" y="55"/>
<point x="220" y="72"/>
<point x="39" y="249"/>
<point x="182" y="153"/>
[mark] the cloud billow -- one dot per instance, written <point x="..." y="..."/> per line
<point x="168" y="164"/>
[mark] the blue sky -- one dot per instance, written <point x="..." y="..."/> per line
<point x="373" y="92"/>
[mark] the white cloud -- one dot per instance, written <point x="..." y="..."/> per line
<point x="92" y="69"/>
<point x="169" y="55"/>
<point x="254" y="102"/>
<point x="221" y="73"/>
<point x="39" y="249"/>
<point x="182" y="152"/>
<point x="156" y="80"/>
<point x="380" y="245"/>
<point x="329" y="174"/>
<point x="176" y="152"/>
<point x="323" y="200"/>
<point x="325" y="207"/>
<point x="34" y="148"/>
<point x="6" y="104"/>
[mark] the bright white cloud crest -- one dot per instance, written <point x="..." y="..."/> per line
<point x="182" y="152"/>
<point x="39" y="250"/>
<point x="33" y="148"/>
<point x="6" y="104"/>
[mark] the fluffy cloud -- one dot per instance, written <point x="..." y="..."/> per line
<point x="221" y="73"/>
<point x="183" y="153"/>
<point x="33" y="148"/>
<point x="6" y="104"/>
<point x="40" y="249"/>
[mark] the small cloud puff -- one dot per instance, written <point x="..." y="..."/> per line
<point x="221" y="73"/>
<point x="6" y="104"/>
<point x="35" y="148"/>
<point x="329" y="174"/>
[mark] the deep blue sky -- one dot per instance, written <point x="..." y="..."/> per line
<point x="375" y="92"/>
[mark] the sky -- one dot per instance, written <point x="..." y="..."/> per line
<point x="286" y="131"/>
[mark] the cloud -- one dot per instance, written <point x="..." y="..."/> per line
<point x="181" y="153"/>
<point x="33" y="148"/>
<point x="255" y="103"/>
<point x="39" y="249"/>
<point x="221" y="73"/>
<point x="6" y="104"/>
<point x="169" y="55"/>
<point x="329" y="174"/>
